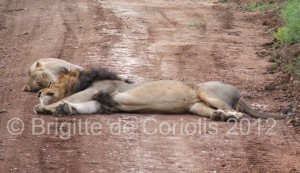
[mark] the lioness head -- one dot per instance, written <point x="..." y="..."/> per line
<point x="39" y="78"/>
<point x="38" y="81"/>
<point x="60" y="90"/>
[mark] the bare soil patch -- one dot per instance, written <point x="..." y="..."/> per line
<point x="190" y="41"/>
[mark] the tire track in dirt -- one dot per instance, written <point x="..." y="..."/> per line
<point x="60" y="155"/>
<point x="42" y="37"/>
<point x="50" y="152"/>
<point x="265" y="152"/>
<point x="69" y="12"/>
<point x="169" y="23"/>
<point x="258" y="156"/>
<point x="63" y="155"/>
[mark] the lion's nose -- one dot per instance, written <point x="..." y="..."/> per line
<point x="39" y="93"/>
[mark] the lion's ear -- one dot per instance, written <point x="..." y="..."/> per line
<point x="74" y="73"/>
<point x="38" y="64"/>
<point x="63" y="70"/>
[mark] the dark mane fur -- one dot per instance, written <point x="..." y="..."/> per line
<point x="86" y="78"/>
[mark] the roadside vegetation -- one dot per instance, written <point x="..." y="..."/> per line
<point x="282" y="21"/>
<point x="270" y="5"/>
<point x="286" y="54"/>
<point x="286" y="47"/>
<point x="289" y="35"/>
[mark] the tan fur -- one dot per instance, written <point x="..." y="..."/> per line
<point x="214" y="99"/>
<point x="46" y="70"/>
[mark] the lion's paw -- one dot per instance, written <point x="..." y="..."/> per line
<point x="26" y="88"/>
<point x="234" y="115"/>
<point x="218" y="115"/>
<point x="62" y="109"/>
<point x="239" y="115"/>
<point x="41" y="109"/>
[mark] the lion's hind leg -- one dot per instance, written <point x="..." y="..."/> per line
<point x="222" y="106"/>
<point x="215" y="102"/>
<point x="234" y="115"/>
<point x="203" y="109"/>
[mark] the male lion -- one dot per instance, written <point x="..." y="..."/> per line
<point x="87" y="83"/>
<point x="215" y="99"/>
<point x="46" y="70"/>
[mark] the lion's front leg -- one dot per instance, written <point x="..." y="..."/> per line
<point x="30" y="88"/>
<point x="90" y="107"/>
<point x="58" y="109"/>
<point x="42" y="109"/>
<point x="26" y="88"/>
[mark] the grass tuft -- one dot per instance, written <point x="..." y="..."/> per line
<point x="262" y="7"/>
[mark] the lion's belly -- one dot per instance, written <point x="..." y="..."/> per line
<point x="159" y="97"/>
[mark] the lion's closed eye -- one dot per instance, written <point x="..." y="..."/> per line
<point x="50" y="84"/>
<point x="50" y="93"/>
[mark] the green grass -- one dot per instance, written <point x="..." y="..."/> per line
<point x="192" y="24"/>
<point x="262" y="7"/>
<point x="223" y="1"/>
<point x="290" y="33"/>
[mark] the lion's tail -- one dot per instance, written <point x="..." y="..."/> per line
<point x="105" y="99"/>
<point x="243" y="107"/>
<point x="108" y="105"/>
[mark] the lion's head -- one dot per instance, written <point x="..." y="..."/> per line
<point x="60" y="90"/>
<point x="39" y="78"/>
<point x="73" y="82"/>
<point x="38" y="81"/>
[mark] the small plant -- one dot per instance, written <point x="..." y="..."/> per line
<point x="283" y="35"/>
<point x="223" y="1"/>
<point x="192" y="24"/>
<point x="252" y="6"/>
<point x="294" y="67"/>
<point x="276" y="62"/>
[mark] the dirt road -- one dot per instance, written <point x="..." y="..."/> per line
<point x="190" y="41"/>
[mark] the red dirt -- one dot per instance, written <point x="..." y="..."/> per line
<point x="190" y="41"/>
